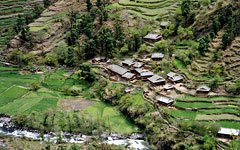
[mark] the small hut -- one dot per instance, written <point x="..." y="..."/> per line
<point x="6" y="64"/>
<point x="146" y="75"/>
<point x="228" y="133"/>
<point x="128" y="62"/>
<point x="203" y="90"/>
<point x="157" y="56"/>
<point x="152" y="38"/>
<point x="164" y="24"/>
<point x="164" y="101"/>
<point x="156" y="80"/>
<point x="99" y="59"/>
<point x="129" y="76"/>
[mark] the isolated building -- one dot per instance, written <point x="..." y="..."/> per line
<point x="157" y="56"/>
<point x="129" y="76"/>
<point x="157" y="80"/>
<point x="128" y="62"/>
<point x="117" y="69"/>
<point x="228" y="132"/>
<point x="6" y="64"/>
<point x="99" y="59"/>
<point x="164" y="101"/>
<point x="203" y="89"/>
<point x="152" y="37"/>
<point x="164" y="24"/>
<point x="145" y="75"/>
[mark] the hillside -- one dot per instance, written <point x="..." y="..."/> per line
<point x="160" y="74"/>
<point x="9" y="11"/>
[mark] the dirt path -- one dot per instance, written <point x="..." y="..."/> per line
<point x="75" y="104"/>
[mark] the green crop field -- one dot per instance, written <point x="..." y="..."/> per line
<point x="222" y="110"/>
<point x="14" y="98"/>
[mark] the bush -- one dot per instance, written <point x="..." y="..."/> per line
<point x="51" y="59"/>
<point x="35" y="86"/>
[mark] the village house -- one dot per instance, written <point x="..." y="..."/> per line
<point x="164" y="24"/>
<point x="174" y="77"/>
<point x="156" y="80"/>
<point x="164" y="101"/>
<point x="152" y="38"/>
<point x="129" y="76"/>
<point x="128" y="62"/>
<point x="167" y="87"/>
<point x="203" y="89"/>
<point x="228" y="132"/>
<point x="99" y="59"/>
<point x="115" y="69"/>
<point x="128" y="90"/>
<point x="157" y="56"/>
<point x="6" y="64"/>
<point x="138" y="65"/>
<point x="146" y="75"/>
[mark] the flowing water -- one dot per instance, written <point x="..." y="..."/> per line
<point x="9" y="129"/>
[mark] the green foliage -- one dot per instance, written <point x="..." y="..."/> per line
<point x="234" y="88"/>
<point x="209" y="142"/>
<point x="16" y="57"/>
<point x="86" y="73"/>
<point x="205" y="2"/>
<point x="134" y="43"/>
<point x="89" y="5"/>
<point x="35" y="86"/>
<point x="107" y="42"/>
<point x="185" y="7"/>
<point x="62" y="52"/>
<point x="51" y="59"/>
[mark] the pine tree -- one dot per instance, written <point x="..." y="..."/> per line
<point x="89" y="5"/>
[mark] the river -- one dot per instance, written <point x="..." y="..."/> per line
<point x="8" y="128"/>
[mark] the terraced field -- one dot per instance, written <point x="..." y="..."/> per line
<point x="9" y="10"/>
<point x="222" y="110"/>
<point x="16" y="96"/>
<point x="152" y="9"/>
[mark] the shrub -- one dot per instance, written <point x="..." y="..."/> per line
<point x="35" y="86"/>
<point x="51" y="59"/>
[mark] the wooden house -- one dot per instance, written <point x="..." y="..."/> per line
<point x="146" y="75"/>
<point x="138" y="64"/>
<point x="164" y="101"/>
<point x="164" y="24"/>
<point x="129" y="76"/>
<point x="157" y="56"/>
<point x="174" y="77"/>
<point x="128" y="62"/>
<point x="228" y="133"/>
<point x="152" y="38"/>
<point x="156" y="80"/>
<point x="203" y="89"/>
<point x="115" y="69"/>
<point x="167" y="87"/>
<point x="99" y="59"/>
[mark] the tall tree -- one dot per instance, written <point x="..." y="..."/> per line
<point x="185" y="7"/>
<point x="107" y="42"/>
<point x="89" y="5"/>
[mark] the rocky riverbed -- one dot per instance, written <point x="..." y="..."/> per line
<point x="8" y="128"/>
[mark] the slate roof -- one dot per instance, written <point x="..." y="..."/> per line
<point x="165" y="100"/>
<point x="171" y="74"/>
<point x="137" y="64"/>
<point x="203" y="89"/>
<point x="164" y="23"/>
<point x="139" y="70"/>
<point x="157" y="56"/>
<point x="229" y="131"/>
<point x="152" y="36"/>
<point x="117" y="69"/>
<point x="156" y="79"/>
<point x="128" y="75"/>
<point x="176" y="78"/>
<point x="99" y="58"/>
<point x="128" y="62"/>
<point x="167" y="86"/>
<point x="146" y="74"/>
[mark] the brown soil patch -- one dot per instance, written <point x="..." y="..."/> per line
<point x="75" y="104"/>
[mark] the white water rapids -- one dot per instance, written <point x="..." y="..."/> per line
<point x="7" y="129"/>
